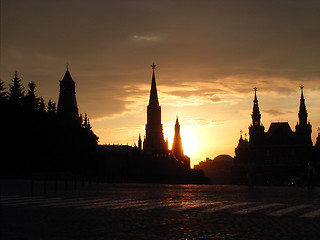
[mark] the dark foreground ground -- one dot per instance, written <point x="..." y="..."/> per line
<point x="136" y="211"/>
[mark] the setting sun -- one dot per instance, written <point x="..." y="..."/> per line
<point x="189" y="142"/>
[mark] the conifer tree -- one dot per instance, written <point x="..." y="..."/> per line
<point x="49" y="106"/>
<point x="54" y="108"/>
<point x="31" y="100"/>
<point x="3" y="94"/>
<point x="16" y="90"/>
<point x="88" y="125"/>
<point x="85" y="121"/>
<point x="42" y="106"/>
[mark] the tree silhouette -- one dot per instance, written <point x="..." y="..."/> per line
<point x="31" y="129"/>
<point x="42" y="106"/>
<point x="31" y="101"/>
<point x="3" y="94"/>
<point x="86" y="122"/>
<point x="16" y="90"/>
<point x="51" y="107"/>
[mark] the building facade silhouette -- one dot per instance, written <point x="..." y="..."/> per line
<point x="276" y="156"/>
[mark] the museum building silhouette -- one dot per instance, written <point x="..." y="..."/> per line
<point x="277" y="156"/>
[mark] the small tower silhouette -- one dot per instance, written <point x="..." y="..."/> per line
<point x="177" y="148"/>
<point x="140" y="142"/>
<point x="303" y="115"/>
<point x="303" y="127"/>
<point x="154" y="141"/>
<point x="67" y="103"/>
<point x="256" y="130"/>
<point x="256" y="115"/>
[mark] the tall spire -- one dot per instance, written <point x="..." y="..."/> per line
<point x="154" y="141"/>
<point x="153" y="100"/>
<point x="140" y="142"/>
<point x="177" y="148"/>
<point x="256" y="116"/>
<point x="303" y="115"/>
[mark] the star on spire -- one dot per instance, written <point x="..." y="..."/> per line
<point x="153" y="66"/>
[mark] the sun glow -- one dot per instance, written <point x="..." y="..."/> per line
<point x="189" y="142"/>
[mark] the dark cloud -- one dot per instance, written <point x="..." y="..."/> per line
<point x="230" y="45"/>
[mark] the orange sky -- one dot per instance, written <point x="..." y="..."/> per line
<point x="209" y="56"/>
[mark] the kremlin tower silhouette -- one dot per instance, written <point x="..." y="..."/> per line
<point x="177" y="149"/>
<point x="67" y="104"/>
<point x="154" y="141"/>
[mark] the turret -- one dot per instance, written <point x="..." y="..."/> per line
<point x="67" y="104"/>
<point x="140" y="142"/>
<point x="154" y="141"/>
<point x="177" y="148"/>
<point x="256" y="116"/>
<point x="303" y="115"/>
<point x="256" y="130"/>
<point x="303" y="127"/>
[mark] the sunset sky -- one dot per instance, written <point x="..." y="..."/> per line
<point x="209" y="56"/>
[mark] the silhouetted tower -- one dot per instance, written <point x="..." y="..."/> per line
<point x="177" y="148"/>
<point x="256" y="130"/>
<point x="303" y="127"/>
<point x="256" y="115"/>
<point x="67" y="103"/>
<point x="154" y="141"/>
<point x="140" y="142"/>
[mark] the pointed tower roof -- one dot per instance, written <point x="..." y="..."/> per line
<point x="67" y="77"/>
<point x="177" y="148"/>
<point x="256" y="116"/>
<point x="302" y="108"/>
<point x="303" y="115"/>
<point x="255" y="94"/>
<point x="153" y="100"/>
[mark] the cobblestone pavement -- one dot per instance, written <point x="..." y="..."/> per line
<point x="136" y="211"/>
